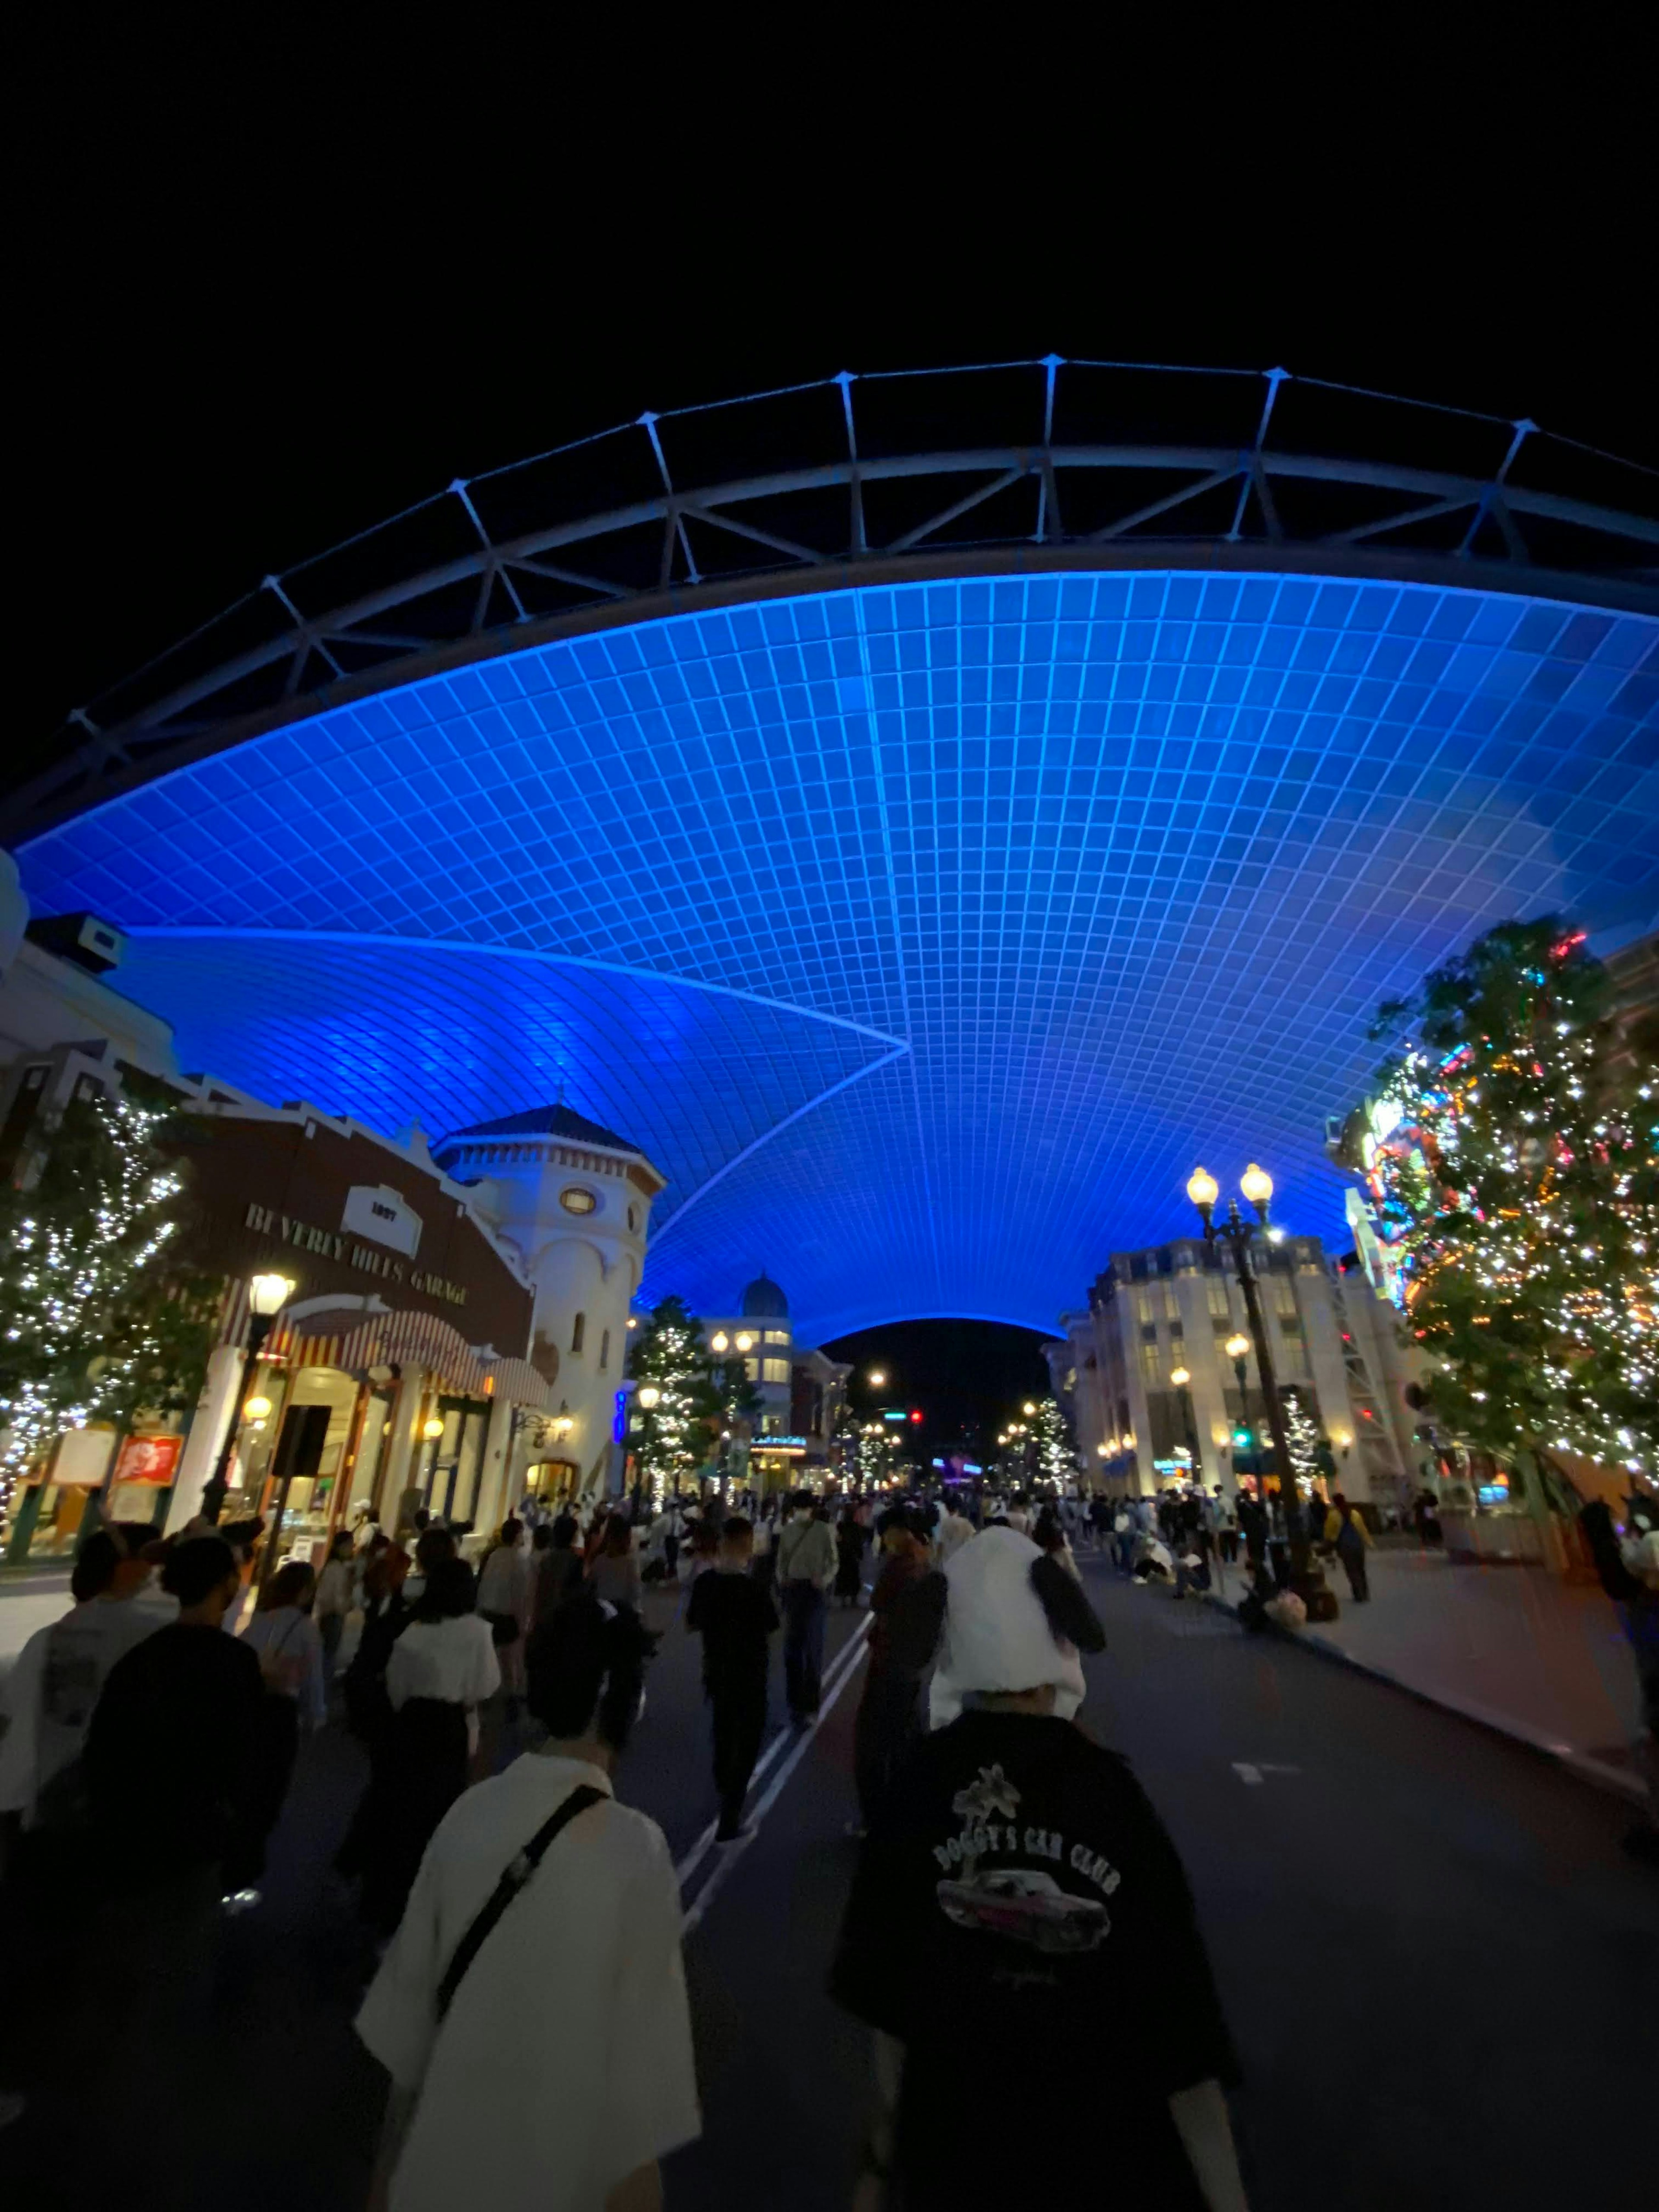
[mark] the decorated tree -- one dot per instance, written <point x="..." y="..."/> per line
<point x="1052" y="1456"/>
<point x="97" y="1324"/>
<point x="1513" y="1160"/>
<point x="678" y="1401"/>
<point x="1310" y="1456"/>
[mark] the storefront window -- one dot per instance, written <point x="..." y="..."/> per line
<point x="375" y="1435"/>
<point x="305" y="1505"/>
<point x="455" y="1460"/>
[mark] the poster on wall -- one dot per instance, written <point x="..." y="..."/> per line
<point x="148" y="1459"/>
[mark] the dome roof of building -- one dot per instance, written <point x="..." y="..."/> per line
<point x="764" y="1301"/>
<point x="543" y="1122"/>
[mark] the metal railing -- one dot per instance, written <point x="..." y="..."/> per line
<point x="1006" y="468"/>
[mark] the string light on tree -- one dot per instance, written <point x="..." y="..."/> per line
<point x="97" y="1325"/>
<point x="1513" y="1168"/>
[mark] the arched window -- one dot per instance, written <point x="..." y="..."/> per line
<point x="604" y="1351"/>
<point x="578" y="1330"/>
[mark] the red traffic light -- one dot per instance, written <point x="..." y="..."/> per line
<point x="916" y="1412"/>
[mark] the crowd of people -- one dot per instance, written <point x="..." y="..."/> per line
<point x="150" y="1751"/>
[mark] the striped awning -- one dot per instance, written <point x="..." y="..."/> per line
<point x="394" y="1340"/>
<point x="519" y="1383"/>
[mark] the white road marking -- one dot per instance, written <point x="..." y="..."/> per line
<point x="839" y="1667"/>
<point x="851" y="1653"/>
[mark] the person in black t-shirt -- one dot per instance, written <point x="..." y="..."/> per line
<point x="1020" y="1903"/>
<point x="175" y="1749"/>
<point x="734" y="1615"/>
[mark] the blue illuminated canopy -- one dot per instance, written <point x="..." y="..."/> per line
<point x="923" y="927"/>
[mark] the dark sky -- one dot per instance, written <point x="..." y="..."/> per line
<point x="268" y="282"/>
<point x="967" y="1377"/>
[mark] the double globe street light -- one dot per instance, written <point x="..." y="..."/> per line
<point x="1239" y="1235"/>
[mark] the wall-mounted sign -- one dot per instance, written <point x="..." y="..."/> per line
<point x="148" y="1459"/>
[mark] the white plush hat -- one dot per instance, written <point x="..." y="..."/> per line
<point x="1014" y="1619"/>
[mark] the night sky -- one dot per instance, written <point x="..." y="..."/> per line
<point x="272" y="279"/>
<point x="966" y="1377"/>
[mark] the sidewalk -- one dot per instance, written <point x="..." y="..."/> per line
<point x="1510" y="1647"/>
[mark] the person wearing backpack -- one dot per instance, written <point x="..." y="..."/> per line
<point x="1346" y="1529"/>
<point x="537" y="1977"/>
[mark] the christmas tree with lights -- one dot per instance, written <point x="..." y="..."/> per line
<point x="1052" y="1456"/>
<point x="1515" y="1170"/>
<point x="678" y="1401"/>
<point x="97" y="1324"/>
<point x="1310" y="1456"/>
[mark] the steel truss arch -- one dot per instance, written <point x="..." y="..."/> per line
<point x="1497" y="504"/>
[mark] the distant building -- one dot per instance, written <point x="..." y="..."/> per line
<point x="575" y="1199"/>
<point x="759" y="1333"/>
<point x="1335" y="1346"/>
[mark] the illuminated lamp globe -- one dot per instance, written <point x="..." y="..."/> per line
<point x="1028" y="1407"/>
<point x="1128" y="1440"/>
<point x="1257" y="1185"/>
<point x="433" y="1430"/>
<point x="269" y="1294"/>
<point x="1180" y="1378"/>
<point x="878" y="1376"/>
<point x="1103" y="1451"/>
<point x="746" y="1341"/>
<point x="1237" y="1348"/>
<point x="650" y="1395"/>
<point x="1203" y="1189"/>
<point x="720" y="1341"/>
<point x="256" y="1409"/>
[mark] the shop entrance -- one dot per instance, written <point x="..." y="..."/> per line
<point x="452" y="1461"/>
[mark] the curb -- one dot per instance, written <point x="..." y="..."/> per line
<point x="1595" y="1771"/>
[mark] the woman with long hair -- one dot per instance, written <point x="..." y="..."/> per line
<point x="442" y="1667"/>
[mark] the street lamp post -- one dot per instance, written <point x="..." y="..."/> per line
<point x="1180" y="1378"/>
<point x="266" y="1297"/>
<point x="1238" y="1235"/>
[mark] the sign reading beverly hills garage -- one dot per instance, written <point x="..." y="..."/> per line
<point x="345" y="1214"/>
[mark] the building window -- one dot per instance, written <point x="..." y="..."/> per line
<point x="752" y="1369"/>
<point x="774" y="1370"/>
<point x="633" y="1216"/>
<point x="578" y="1330"/>
<point x="1151" y="1367"/>
<point x="1149" y="1332"/>
<point x="1283" y="1295"/>
<point x="604" y="1351"/>
<point x="575" y="1199"/>
<point x="1216" y="1289"/>
<point x="1171" y="1303"/>
<point x="1143" y="1306"/>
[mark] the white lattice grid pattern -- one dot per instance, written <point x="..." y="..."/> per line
<point x="1125" y="861"/>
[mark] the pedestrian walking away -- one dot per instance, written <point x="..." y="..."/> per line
<point x="734" y="1615"/>
<point x="442" y="1667"/>
<point x="1346" y="1529"/>
<point x="1019" y="1895"/>
<point x="806" y="1565"/>
<point x="337" y="1593"/>
<point x="905" y="1608"/>
<point x="536" y="1978"/>
<point x="180" y="1796"/>
<point x="507" y="1599"/>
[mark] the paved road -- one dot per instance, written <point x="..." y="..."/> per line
<point x="1439" y="1964"/>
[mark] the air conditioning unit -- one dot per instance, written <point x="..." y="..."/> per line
<point x="83" y="938"/>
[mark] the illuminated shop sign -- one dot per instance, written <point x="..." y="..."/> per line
<point x="335" y="1244"/>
